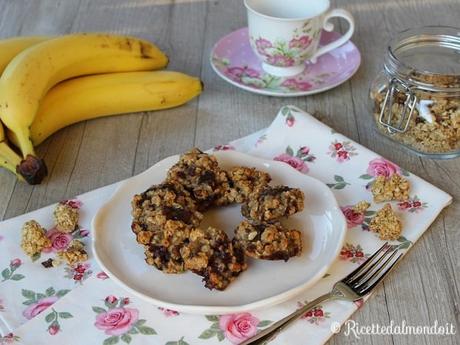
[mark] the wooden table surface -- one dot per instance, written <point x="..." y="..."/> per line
<point x="424" y="288"/>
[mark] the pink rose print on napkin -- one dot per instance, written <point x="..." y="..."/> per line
<point x="38" y="302"/>
<point x="53" y="329"/>
<point x="78" y="272"/>
<point x="294" y="162"/>
<point x="315" y="316"/>
<point x="119" y="321"/>
<point x="224" y="148"/>
<point x="238" y="327"/>
<point x="382" y="167"/>
<point x="82" y="233"/>
<point x="36" y="308"/>
<point x="261" y="140"/>
<point x="54" y="318"/>
<point x="168" y="312"/>
<point x="235" y="327"/>
<point x="9" y="273"/>
<point x="342" y="151"/>
<point x="9" y="338"/>
<point x="102" y="275"/>
<point x="355" y="219"/>
<point x="59" y="240"/>
<point x="299" y="160"/>
<point x="74" y="203"/>
<point x="353" y="253"/>
<point x="413" y="205"/>
<point x="288" y="113"/>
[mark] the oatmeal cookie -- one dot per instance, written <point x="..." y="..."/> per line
<point x="271" y="203"/>
<point x="34" y="239"/>
<point x="200" y="174"/>
<point x="162" y="248"/>
<point x="387" y="189"/>
<point x="161" y="203"/>
<point x="386" y="224"/>
<point x="268" y="241"/>
<point x="65" y="218"/>
<point x="213" y="256"/>
<point x="246" y="181"/>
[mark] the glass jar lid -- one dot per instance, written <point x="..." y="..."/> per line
<point x="426" y="58"/>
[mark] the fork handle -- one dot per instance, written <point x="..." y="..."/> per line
<point x="267" y="335"/>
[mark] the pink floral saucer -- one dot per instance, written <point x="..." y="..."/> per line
<point x="233" y="59"/>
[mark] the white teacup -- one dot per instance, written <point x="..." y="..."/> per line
<point x="285" y="33"/>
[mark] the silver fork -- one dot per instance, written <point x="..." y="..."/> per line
<point x="353" y="287"/>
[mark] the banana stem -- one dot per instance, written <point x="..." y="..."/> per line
<point x="24" y="144"/>
<point x="32" y="168"/>
<point x="9" y="159"/>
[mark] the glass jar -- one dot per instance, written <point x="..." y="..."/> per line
<point x="415" y="99"/>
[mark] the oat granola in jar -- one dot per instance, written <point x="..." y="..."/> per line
<point x="415" y="99"/>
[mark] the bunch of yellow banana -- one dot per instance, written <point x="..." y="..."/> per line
<point x="108" y="75"/>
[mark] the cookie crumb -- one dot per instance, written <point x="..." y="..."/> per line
<point x="66" y="218"/>
<point x="361" y="207"/>
<point x="74" y="254"/>
<point x="34" y="238"/>
<point x="48" y="263"/>
<point x="387" y="189"/>
<point x="386" y="224"/>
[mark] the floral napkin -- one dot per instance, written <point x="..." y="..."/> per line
<point x="81" y="305"/>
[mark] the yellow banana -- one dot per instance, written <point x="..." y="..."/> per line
<point x="95" y="96"/>
<point x="11" y="47"/>
<point x="8" y="158"/>
<point x="34" y="71"/>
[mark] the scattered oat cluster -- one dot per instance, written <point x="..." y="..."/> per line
<point x="361" y="207"/>
<point x="65" y="218"/>
<point x="391" y="188"/>
<point x="386" y="224"/>
<point x="34" y="238"/>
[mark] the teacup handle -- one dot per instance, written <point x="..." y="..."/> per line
<point x="337" y="12"/>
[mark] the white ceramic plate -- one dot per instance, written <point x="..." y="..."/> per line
<point x="264" y="283"/>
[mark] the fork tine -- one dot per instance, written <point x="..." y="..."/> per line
<point x="370" y="288"/>
<point x="355" y="280"/>
<point x="364" y="265"/>
<point x="363" y="282"/>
